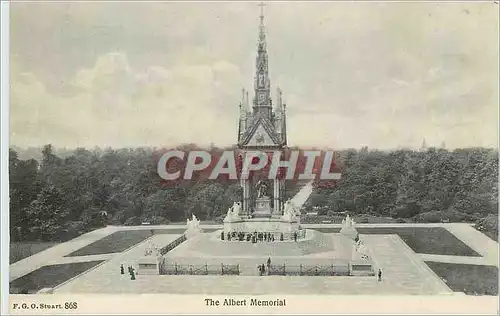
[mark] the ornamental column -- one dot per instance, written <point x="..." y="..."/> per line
<point x="276" y="195"/>
<point x="282" y="195"/>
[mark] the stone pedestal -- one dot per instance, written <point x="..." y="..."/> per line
<point x="263" y="224"/>
<point x="262" y="207"/>
<point x="193" y="232"/>
<point x="148" y="265"/>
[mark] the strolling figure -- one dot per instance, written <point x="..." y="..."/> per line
<point x="122" y="270"/>
<point x="132" y="273"/>
<point x="268" y="262"/>
<point x="379" y="275"/>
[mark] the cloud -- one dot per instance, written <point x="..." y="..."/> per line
<point x="116" y="105"/>
<point x="376" y="74"/>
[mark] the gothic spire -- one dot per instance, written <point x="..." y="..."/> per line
<point x="262" y="28"/>
<point x="262" y="82"/>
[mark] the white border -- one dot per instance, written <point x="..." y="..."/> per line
<point x="4" y="140"/>
<point x="4" y="157"/>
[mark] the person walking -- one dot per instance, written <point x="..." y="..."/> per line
<point x="122" y="270"/>
<point x="268" y="262"/>
<point x="379" y="275"/>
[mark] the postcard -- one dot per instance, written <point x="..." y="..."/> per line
<point x="276" y="157"/>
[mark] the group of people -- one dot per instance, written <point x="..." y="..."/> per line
<point x="262" y="267"/>
<point x="131" y="271"/>
<point x="254" y="237"/>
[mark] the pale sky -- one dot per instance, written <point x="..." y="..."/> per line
<point x="381" y="75"/>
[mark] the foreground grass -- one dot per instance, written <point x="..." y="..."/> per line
<point x="327" y="219"/>
<point x="428" y="240"/>
<point x="49" y="277"/>
<point x="21" y="250"/>
<point x="122" y="240"/>
<point x="116" y="242"/>
<point x="467" y="278"/>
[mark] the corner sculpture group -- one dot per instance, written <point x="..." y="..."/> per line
<point x="192" y="227"/>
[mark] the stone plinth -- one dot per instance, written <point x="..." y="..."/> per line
<point x="261" y="225"/>
<point x="192" y="232"/>
<point x="148" y="265"/>
<point x="262" y="207"/>
<point x="361" y="269"/>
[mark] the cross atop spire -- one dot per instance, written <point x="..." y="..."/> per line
<point x="261" y="5"/>
<point x="262" y="28"/>
<point x="262" y="82"/>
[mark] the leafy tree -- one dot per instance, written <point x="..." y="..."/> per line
<point x="61" y="194"/>
<point x="47" y="214"/>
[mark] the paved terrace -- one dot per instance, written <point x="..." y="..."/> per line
<point x="403" y="274"/>
<point x="475" y="239"/>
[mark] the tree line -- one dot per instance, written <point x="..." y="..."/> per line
<point x="59" y="197"/>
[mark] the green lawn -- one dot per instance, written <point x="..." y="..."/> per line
<point x="428" y="240"/>
<point x="467" y="278"/>
<point x="122" y="240"/>
<point x="21" y="250"/>
<point x="178" y="231"/>
<point x="49" y="276"/>
<point x="116" y="242"/>
<point x="328" y="230"/>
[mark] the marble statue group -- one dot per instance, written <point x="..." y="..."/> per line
<point x="348" y="222"/>
<point x="261" y="189"/>
<point x="290" y="211"/>
<point x="152" y="250"/>
<point x="192" y="226"/>
<point x="233" y="212"/>
<point x="358" y="249"/>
